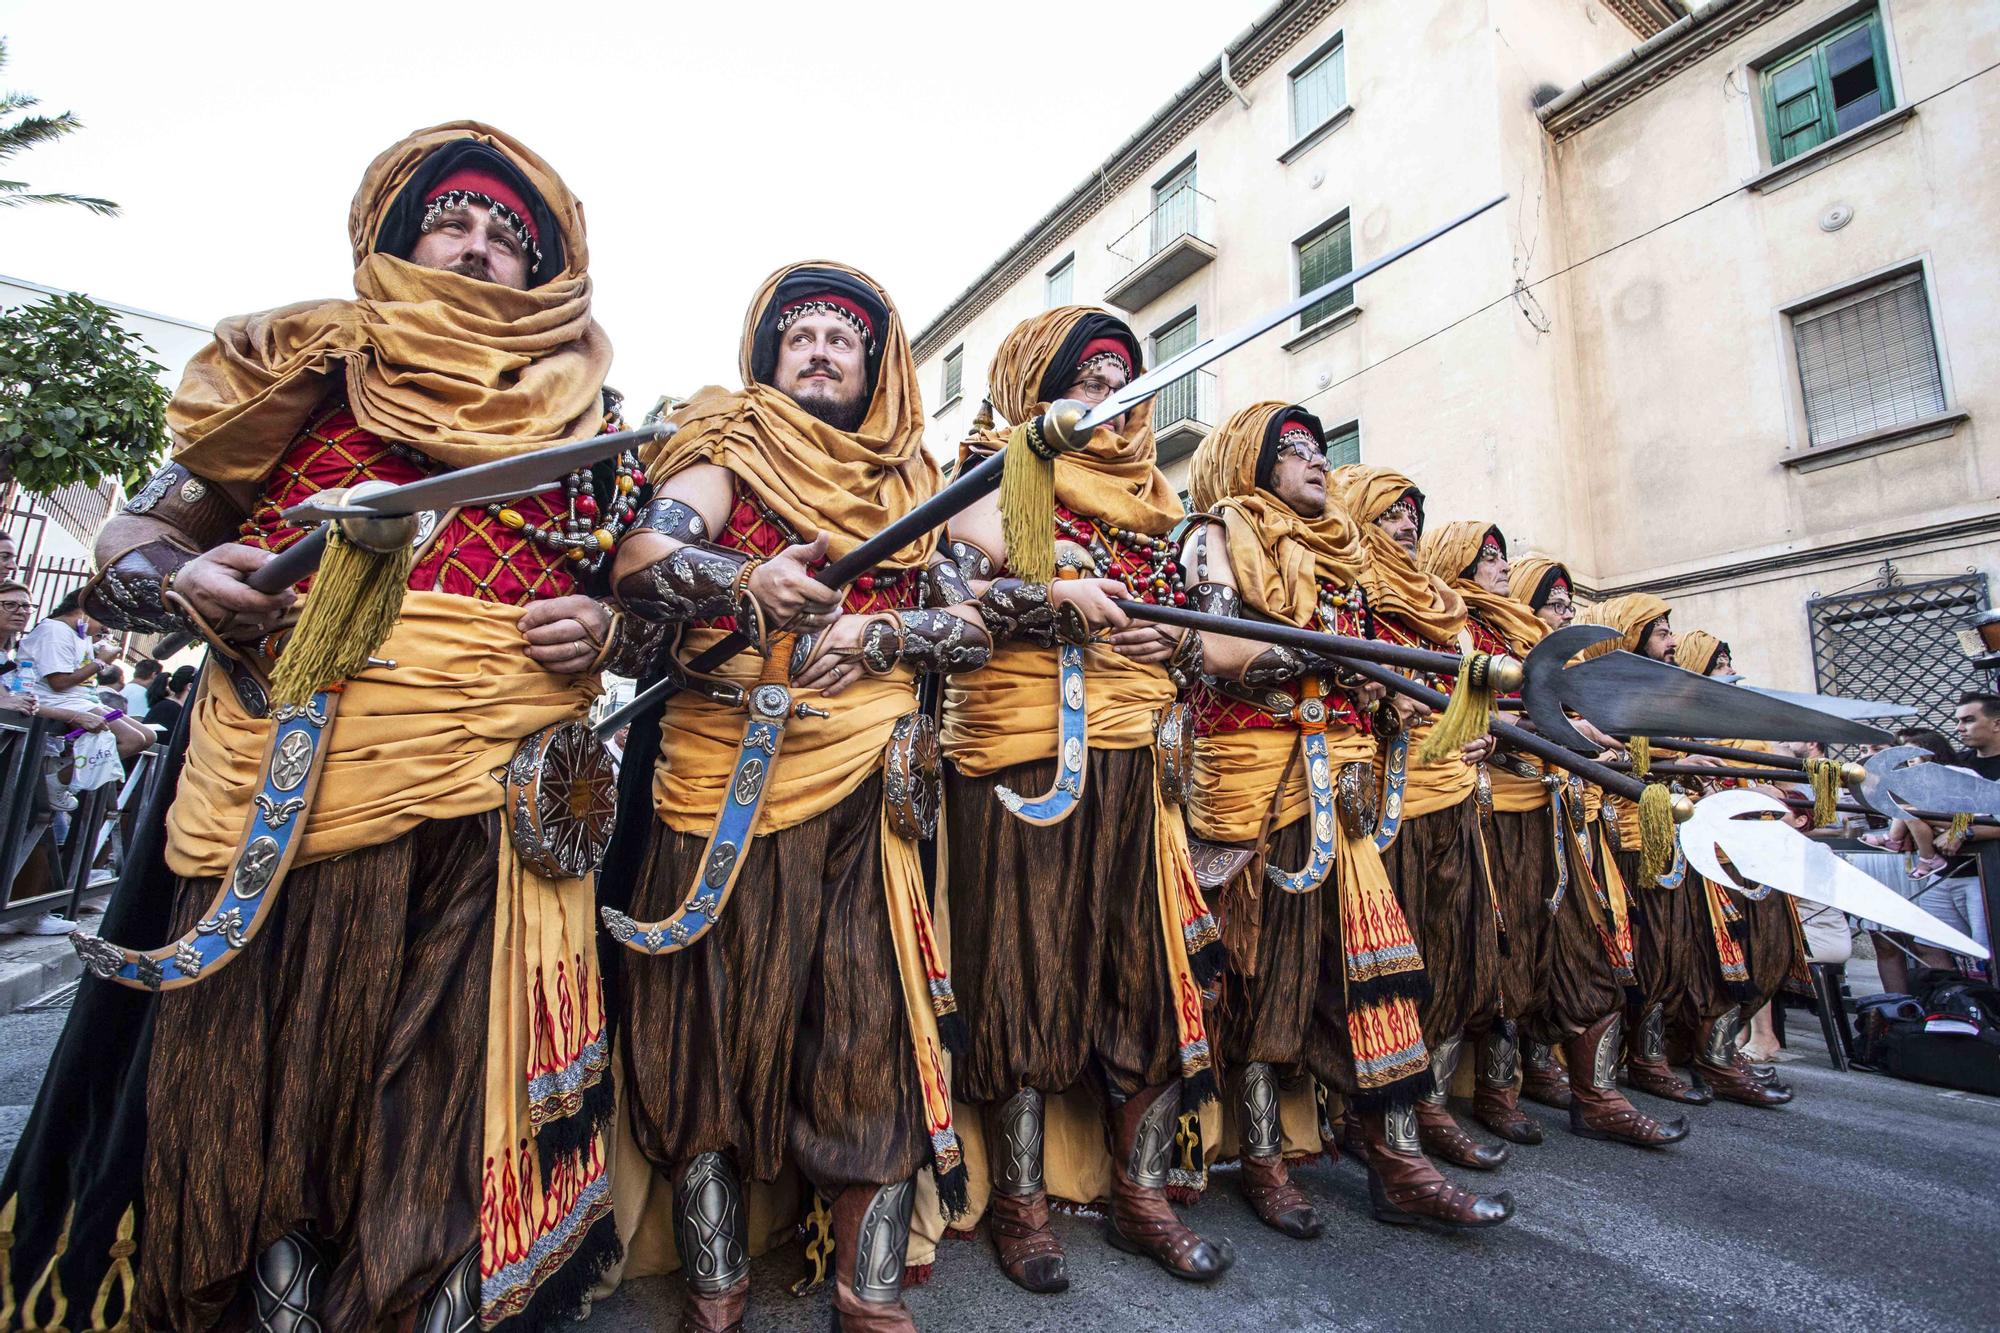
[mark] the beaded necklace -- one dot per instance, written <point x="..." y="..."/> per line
<point x="1145" y="564"/>
<point x="582" y="530"/>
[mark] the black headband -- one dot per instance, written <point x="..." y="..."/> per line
<point x="1062" y="370"/>
<point x="1540" y="596"/>
<point x="1274" y="430"/>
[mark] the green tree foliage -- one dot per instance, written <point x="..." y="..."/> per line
<point x="20" y="131"/>
<point x="79" y="397"/>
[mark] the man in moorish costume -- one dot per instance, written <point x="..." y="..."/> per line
<point x="385" y="1108"/>
<point x="1323" y="972"/>
<point x="1747" y="948"/>
<point x="1436" y="861"/>
<point x="1557" y="977"/>
<point x="1074" y="914"/>
<point x="1662" y="938"/>
<point x="793" y="1012"/>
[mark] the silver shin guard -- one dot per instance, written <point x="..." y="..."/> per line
<point x="1017" y="1150"/>
<point x="882" y="1243"/>
<point x="1444" y="1066"/>
<point x="711" y="1230"/>
<point x="1718" y="1039"/>
<point x="285" y="1285"/>
<point x="1653" y="1034"/>
<point x="1499" y="1058"/>
<point x="1153" y="1145"/>
<point x="454" y="1306"/>
<point x="1399" y="1130"/>
<point x="1603" y="1070"/>
<point x="1263" y="1138"/>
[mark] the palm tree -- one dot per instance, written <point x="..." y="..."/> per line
<point x="20" y="132"/>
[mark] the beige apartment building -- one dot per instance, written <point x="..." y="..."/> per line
<point x="1726" y="341"/>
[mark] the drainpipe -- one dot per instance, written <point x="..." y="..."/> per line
<point x="1230" y="83"/>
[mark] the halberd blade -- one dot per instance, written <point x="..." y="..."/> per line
<point x="1771" y="852"/>
<point x="1874" y="790"/>
<point x="1625" y="693"/>
<point x="1541" y="696"/>
<point x="1859" y="710"/>
<point x="483" y="483"/>
<point x="1944" y="787"/>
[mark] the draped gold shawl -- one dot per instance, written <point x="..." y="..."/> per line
<point x="1393" y="582"/>
<point x="1524" y="575"/>
<point x="1447" y="552"/>
<point x="464" y="370"/>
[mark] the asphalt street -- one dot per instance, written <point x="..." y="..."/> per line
<point x="1868" y="1203"/>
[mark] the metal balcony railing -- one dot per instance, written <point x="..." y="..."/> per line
<point x="1188" y="401"/>
<point x="1181" y="212"/>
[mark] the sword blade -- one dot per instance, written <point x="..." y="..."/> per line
<point x="1627" y="694"/>
<point x="1194" y="358"/>
<point x="482" y="483"/>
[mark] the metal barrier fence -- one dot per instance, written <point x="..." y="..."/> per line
<point x="27" y="822"/>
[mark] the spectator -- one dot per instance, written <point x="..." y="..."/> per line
<point x="16" y="606"/>
<point x="1955" y="897"/>
<point x="1894" y="950"/>
<point x="1914" y="835"/>
<point x="137" y="690"/>
<point x="7" y="556"/>
<point x="166" y="714"/>
<point x="111" y="687"/>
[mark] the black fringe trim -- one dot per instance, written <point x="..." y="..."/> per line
<point x="558" y="1302"/>
<point x="1208" y="962"/>
<point x="560" y="1140"/>
<point x="1740" y="991"/>
<point x="1198" y="1091"/>
<point x="953" y="1035"/>
<point x="1506" y="943"/>
<point x="1403" y="1092"/>
<point x="951" y="1188"/>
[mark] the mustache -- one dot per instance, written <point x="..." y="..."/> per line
<point x="470" y="265"/>
<point x="818" y="367"/>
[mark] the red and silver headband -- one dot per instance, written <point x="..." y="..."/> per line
<point x="479" y="189"/>
<point x="826" y="303"/>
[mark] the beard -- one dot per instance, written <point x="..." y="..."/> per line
<point x="841" y="414"/>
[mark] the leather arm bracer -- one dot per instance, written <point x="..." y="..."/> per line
<point x="1013" y="609"/>
<point x="131" y="591"/>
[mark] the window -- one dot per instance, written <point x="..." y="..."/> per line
<point x="1181" y="399"/>
<point x="1061" y="282"/>
<point x="1171" y="339"/>
<point x="1319" y="88"/>
<point x="1343" y="446"/>
<point x="1827" y="88"/>
<point x="954" y="372"/>
<point x="1324" y="254"/>
<point x="1174" y="214"/>
<point x="1868" y="360"/>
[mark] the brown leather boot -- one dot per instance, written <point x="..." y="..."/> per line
<point x="1018" y="1215"/>
<point x="711" y="1231"/>
<point x="1597" y="1110"/>
<point x="871" y="1235"/>
<point x="1495" y="1104"/>
<point x="1646" y="1066"/>
<point x="1443" y="1136"/>
<point x="1543" y="1079"/>
<point x="1406" y="1189"/>
<point x="1725" y="1069"/>
<point x="1278" y="1203"/>
<point x="1142" y="1221"/>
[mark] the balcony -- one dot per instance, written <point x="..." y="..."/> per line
<point x="1167" y="246"/>
<point x="1183" y="415"/>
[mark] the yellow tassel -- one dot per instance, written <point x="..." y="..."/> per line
<point x="1641" y="750"/>
<point x="1467" y="717"/>
<point x="1656" y="832"/>
<point x="1824" y="774"/>
<point x="1028" y="509"/>
<point x="1961" y="824"/>
<point x="355" y="599"/>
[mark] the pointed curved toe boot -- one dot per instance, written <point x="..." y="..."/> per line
<point x="1597" y="1109"/>
<point x="1404" y="1189"/>
<point x="1142" y="1220"/>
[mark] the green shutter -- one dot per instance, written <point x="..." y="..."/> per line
<point x="1832" y="86"/>
<point x="954" y="364"/>
<point x="1323" y="257"/>
<point x="1794" y="107"/>
<point x="1344" y="447"/>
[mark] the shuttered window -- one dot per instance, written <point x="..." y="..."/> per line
<point x="954" y="372"/>
<point x="1868" y="360"/>
<point x="1343" y="446"/>
<point x="1319" y="88"/>
<point x="1062" y="282"/>
<point x="1323" y="256"/>
<point x="1826" y="88"/>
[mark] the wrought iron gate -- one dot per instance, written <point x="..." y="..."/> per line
<point x="1899" y="641"/>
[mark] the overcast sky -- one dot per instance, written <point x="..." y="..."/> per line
<point x="710" y="143"/>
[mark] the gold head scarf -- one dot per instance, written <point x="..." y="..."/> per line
<point x="847" y="484"/>
<point x="1526" y="574"/>
<point x="464" y="370"/>
<point x="1697" y="651"/>
<point x="1393" y="582"/>
<point x="1448" y="552"/>
<point x="1629" y="615"/>
<point x="1113" y="478"/>
<point x="1280" y="557"/>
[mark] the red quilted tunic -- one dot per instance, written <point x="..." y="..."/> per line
<point x="756" y="531"/>
<point x="474" y="556"/>
<point x="1214" y="712"/>
<point x="1484" y="640"/>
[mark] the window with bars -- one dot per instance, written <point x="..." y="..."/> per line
<point x="954" y="373"/>
<point x="1180" y="400"/>
<point x="1868" y="360"/>
<point x="1324" y="254"/>
<point x="1319" y="87"/>
<point x="1343" y="445"/>
<point x="1898" y="642"/>
<point x="1826" y="87"/>
<point x="1060" y="285"/>
<point x="1175" y="207"/>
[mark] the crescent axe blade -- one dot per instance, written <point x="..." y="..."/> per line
<point x="1874" y="791"/>
<point x="1944" y="787"/>
<point x="1623" y="692"/>
<point x="1541" y="688"/>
